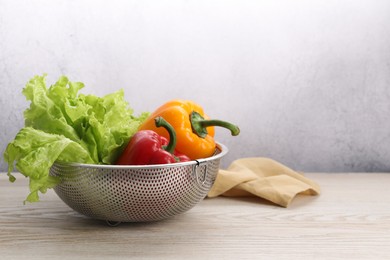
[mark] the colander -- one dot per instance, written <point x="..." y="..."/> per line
<point x="117" y="193"/>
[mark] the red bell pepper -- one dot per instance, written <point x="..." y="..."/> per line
<point x="147" y="147"/>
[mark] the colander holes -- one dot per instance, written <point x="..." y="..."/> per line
<point x="130" y="195"/>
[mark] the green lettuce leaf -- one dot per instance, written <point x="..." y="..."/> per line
<point x="63" y="125"/>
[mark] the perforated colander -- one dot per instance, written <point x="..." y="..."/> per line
<point x="136" y="193"/>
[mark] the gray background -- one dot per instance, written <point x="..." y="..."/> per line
<point x="307" y="81"/>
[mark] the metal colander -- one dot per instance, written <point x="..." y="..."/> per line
<point x="136" y="193"/>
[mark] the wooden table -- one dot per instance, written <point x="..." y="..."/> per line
<point x="349" y="220"/>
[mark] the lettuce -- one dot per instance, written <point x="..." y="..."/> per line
<point x="63" y="125"/>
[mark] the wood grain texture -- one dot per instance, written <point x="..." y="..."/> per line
<point x="349" y="220"/>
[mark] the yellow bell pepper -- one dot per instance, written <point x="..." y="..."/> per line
<point x="194" y="130"/>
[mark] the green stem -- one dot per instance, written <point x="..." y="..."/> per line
<point x="161" y="122"/>
<point x="199" y="125"/>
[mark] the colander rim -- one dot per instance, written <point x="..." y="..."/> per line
<point x="222" y="148"/>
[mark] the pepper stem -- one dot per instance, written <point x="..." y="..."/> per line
<point x="161" y="122"/>
<point x="199" y="125"/>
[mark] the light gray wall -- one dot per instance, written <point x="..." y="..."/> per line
<point x="308" y="82"/>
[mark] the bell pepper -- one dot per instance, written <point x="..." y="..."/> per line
<point x="147" y="147"/>
<point x="194" y="129"/>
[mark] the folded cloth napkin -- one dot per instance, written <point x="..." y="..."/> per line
<point x="262" y="177"/>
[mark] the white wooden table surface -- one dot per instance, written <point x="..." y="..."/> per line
<point x="349" y="220"/>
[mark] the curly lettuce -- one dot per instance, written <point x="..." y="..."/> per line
<point x="63" y="125"/>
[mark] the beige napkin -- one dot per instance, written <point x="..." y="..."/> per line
<point x="262" y="177"/>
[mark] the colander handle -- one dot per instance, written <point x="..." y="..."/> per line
<point x="200" y="178"/>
